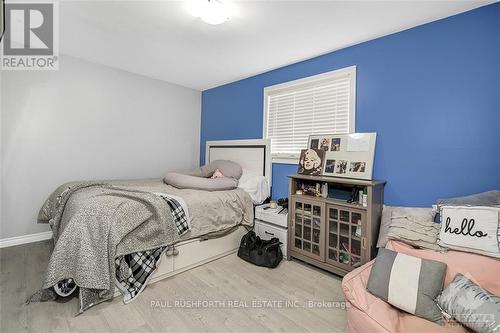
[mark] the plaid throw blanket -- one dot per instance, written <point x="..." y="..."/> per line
<point x="134" y="270"/>
<point x="179" y="213"/>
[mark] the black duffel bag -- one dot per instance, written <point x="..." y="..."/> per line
<point x="266" y="253"/>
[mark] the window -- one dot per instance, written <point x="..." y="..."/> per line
<point x="320" y="104"/>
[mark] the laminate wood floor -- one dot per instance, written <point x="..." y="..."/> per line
<point x="226" y="295"/>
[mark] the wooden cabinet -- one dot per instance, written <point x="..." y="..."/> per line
<point x="331" y="233"/>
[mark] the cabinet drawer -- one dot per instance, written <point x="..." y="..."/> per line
<point x="266" y="231"/>
<point x="195" y="251"/>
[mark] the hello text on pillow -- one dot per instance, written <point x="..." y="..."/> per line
<point x="470" y="229"/>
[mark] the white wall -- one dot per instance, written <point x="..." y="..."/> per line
<point x="87" y="121"/>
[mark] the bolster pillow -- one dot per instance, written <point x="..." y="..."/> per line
<point x="228" y="168"/>
<point x="200" y="183"/>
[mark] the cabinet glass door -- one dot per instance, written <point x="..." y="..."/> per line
<point x="307" y="228"/>
<point x="332" y="235"/>
<point x="344" y="236"/>
<point x="355" y="237"/>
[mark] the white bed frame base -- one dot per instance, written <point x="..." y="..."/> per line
<point x="253" y="155"/>
<point x="194" y="253"/>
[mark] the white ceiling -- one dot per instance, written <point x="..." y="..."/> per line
<point x="160" y="39"/>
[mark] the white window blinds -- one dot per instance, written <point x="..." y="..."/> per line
<point x="321" y="104"/>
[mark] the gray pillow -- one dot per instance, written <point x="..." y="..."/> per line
<point x="384" y="225"/>
<point x="411" y="225"/>
<point x="471" y="305"/>
<point x="415" y="226"/>
<point x="408" y="283"/>
<point x="490" y="198"/>
<point x="228" y="168"/>
<point x="199" y="183"/>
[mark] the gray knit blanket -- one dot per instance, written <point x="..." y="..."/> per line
<point x="93" y="223"/>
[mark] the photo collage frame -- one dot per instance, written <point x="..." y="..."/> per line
<point x="346" y="155"/>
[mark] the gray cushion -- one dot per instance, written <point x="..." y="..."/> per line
<point x="471" y="305"/>
<point x="199" y="183"/>
<point x="384" y="226"/>
<point x="408" y="283"/>
<point x="415" y="226"/>
<point x="228" y="169"/>
<point x="490" y="198"/>
<point x="401" y="227"/>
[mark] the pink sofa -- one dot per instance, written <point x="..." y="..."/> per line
<point x="367" y="313"/>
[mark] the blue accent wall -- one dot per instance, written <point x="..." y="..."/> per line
<point x="432" y="94"/>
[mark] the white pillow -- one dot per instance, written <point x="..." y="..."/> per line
<point x="471" y="229"/>
<point x="255" y="185"/>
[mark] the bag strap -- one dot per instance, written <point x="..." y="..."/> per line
<point x="252" y="240"/>
<point x="272" y="245"/>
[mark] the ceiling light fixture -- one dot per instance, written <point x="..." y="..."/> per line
<point x="210" y="11"/>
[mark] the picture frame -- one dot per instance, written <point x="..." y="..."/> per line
<point x="311" y="162"/>
<point x="346" y="155"/>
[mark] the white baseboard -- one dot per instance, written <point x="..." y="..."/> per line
<point x="18" y="240"/>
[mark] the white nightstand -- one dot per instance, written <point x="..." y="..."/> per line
<point x="269" y="224"/>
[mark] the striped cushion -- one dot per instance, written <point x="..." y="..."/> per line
<point x="408" y="283"/>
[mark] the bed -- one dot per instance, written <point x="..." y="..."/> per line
<point x="217" y="221"/>
<point x="198" y="248"/>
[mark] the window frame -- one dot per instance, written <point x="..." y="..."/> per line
<point x="331" y="75"/>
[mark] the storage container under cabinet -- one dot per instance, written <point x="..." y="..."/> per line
<point x="269" y="223"/>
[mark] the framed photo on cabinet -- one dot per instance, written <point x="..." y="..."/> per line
<point x="311" y="162"/>
<point x="346" y="155"/>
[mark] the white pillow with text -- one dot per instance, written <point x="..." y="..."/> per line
<point x="471" y="229"/>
